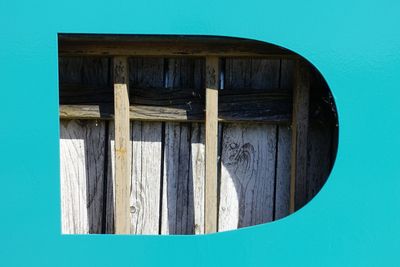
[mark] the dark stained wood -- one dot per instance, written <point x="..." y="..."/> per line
<point x="301" y="97"/>
<point x="142" y="45"/>
<point x="252" y="73"/>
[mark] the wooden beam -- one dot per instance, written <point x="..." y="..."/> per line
<point x="211" y="124"/>
<point x="139" y="45"/>
<point x="155" y="104"/>
<point x="122" y="149"/>
<point x="301" y="103"/>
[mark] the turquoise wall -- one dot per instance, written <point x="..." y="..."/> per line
<point x="353" y="221"/>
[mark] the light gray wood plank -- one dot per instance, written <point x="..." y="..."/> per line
<point x="82" y="175"/>
<point x="282" y="187"/>
<point x="146" y="177"/>
<point x="247" y="175"/>
<point x="197" y="170"/>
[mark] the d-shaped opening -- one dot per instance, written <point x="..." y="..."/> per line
<point x="165" y="134"/>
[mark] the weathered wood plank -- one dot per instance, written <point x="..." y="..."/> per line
<point x="110" y="183"/>
<point x="186" y="104"/>
<point x="319" y="158"/>
<point x="89" y="71"/>
<point x="122" y="149"/>
<point x="211" y="153"/>
<point x="247" y="175"/>
<point x="146" y="177"/>
<point x="82" y="147"/>
<point x="258" y="74"/>
<point x="282" y="187"/>
<point x="282" y="180"/>
<point x="177" y="203"/>
<point x="125" y="45"/>
<point x="197" y="169"/>
<point x="301" y="93"/>
<point x="183" y="184"/>
<point x="145" y="73"/>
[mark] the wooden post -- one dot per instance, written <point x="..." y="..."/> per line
<point x="301" y="95"/>
<point x="211" y="123"/>
<point x="122" y="149"/>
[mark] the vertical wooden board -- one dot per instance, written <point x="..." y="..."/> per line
<point x="319" y="158"/>
<point x="180" y="73"/>
<point x="211" y="153"/>
<point x="146" y="177"/>
<point x="97" y="71"/>
<point x="247" y="175"/>
<point x="177" y="203"/>
<point x="82" y="150"/>
<point x="237" y="73"/>
<point x="92" y="71"/>
<point x="286" y="75"/>
<point x="122" y="148"/>
<point x="283" y="156"/>
<point x="110" y="189"/>
<point x="265" y="73"/>
<point x="282" y="187"/>
<point x="197" y="168"/>
<point x="70" y="70"/>
<point x="182" y="212"/>
<point x="146" y="72"/>
<point x="252" y="73"/>
<point x="300" y="117"/>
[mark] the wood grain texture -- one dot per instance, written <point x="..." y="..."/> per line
<point x="211" y="153"/>
<point x="122" y="148"/>
<point x="301" y="94"/>
<point x="158" y="104"/>
<point x="110" y="183"/>
<point x="146" y="177"/>
<point x="319" y="159"/>
<point x="183" y="175"/>
<point x="258" y="74"/>
<point x="82" y="146"/>
<point x="283" y="155"/>
<point x="168" y="159"/>
<point x="197" y="169"/>
<point x="282" y="187"/>
<point x="125" y="45"/>
<point x="177" y="203"/>
<point x="247" y="175"/>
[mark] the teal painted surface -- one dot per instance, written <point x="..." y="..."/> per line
<point x="353" y="221"/>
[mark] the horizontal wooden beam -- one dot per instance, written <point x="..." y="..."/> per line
<point x="142" y="45"/>
<point x="152" y="113"/>
<point x="182" y="105"/>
